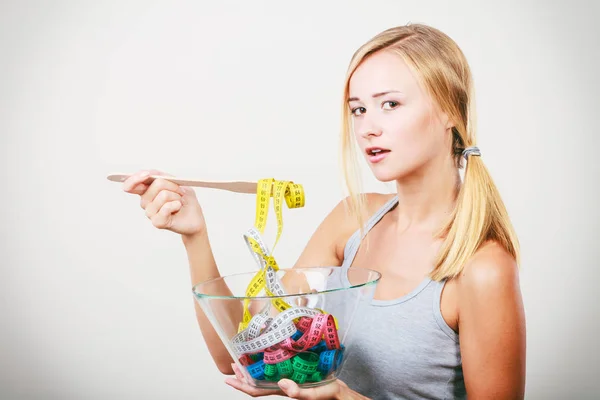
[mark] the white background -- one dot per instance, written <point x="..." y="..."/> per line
<point x="96" y="303"/>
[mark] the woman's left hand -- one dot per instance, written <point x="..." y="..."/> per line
<point x="289" y="388"/>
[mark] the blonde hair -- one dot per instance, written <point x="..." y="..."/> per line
<point x="479" y="214"/>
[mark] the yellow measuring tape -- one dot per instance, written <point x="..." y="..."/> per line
<point x="294" y="197"/>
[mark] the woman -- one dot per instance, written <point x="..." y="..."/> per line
<point x="445" y="247"/>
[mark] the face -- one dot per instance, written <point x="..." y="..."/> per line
<point x="396" y="126"/>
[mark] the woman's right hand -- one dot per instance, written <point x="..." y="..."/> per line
<point x="168" y="205"/>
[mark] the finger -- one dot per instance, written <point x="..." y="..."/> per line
<point x="302" y="302"/>
<point x="162" y="198"/>
<point x="139" y="189"/>
<point x="137" y="183"/>
<point x="163" y="218"/>
<point x="250" y="390"/>
<point x="238" y="373"/>
<point x="155" y="187"/>
<point x="292" y="390"/>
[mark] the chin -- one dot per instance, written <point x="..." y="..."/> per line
<point x="385" y="175"/>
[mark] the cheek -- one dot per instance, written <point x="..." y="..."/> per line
<point x="411" y="132"/>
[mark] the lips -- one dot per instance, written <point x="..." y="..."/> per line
<point x="372" y="151"/>
<point x="376" y="154"/>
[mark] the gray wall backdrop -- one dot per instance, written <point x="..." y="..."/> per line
<point x="96" y="303"/>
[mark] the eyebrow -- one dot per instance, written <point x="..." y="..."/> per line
<point x="374" y="95"/>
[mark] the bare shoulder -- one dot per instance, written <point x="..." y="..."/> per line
<point x="490" y="268"/>
<point x="326" y="245"/>
<point x="491" y="322"/>
<point x="345" y="222"/>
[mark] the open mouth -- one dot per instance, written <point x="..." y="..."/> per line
<point x="376" y="154"/>
<point x="373" y="151"/>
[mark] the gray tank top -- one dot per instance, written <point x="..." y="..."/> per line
<point x="401" y="348"/>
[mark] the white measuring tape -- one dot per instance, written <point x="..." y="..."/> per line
<point x="298" y="340"/>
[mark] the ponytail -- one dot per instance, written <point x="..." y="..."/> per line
<point x="479" y="216"/>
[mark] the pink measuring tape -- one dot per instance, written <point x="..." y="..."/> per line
<point x="299" y="343"/>
<point x="309" y="355"/>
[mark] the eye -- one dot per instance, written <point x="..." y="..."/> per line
<point x="358" y="109"/>
<point x="392" y="104"/>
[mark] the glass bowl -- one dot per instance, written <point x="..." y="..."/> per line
<point x="287" y="323"/>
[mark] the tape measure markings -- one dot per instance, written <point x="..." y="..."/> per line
<point x="300" y="342"/>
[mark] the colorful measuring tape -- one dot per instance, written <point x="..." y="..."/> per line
<point x="300" y="343"/>
<point x="294" y="197"/>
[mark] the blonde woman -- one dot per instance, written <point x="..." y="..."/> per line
<point x="448" y="314"/>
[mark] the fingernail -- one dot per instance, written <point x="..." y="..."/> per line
<point x="144" y="174"/>
<point x="284" y="384"/>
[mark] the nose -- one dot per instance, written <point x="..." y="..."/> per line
<point x="370" y="129"/>
<point x="368" y="125"/>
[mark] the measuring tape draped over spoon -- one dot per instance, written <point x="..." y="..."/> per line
<point x="299" y="343"/>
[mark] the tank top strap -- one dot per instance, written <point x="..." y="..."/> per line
<point x="353" y="243"/>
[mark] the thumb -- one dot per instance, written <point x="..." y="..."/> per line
<point x="291" y="389"/>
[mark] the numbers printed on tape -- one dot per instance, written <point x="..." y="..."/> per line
<point x="294" y="197"/>
<point x="300" y="343"/>
<point x="278" y="329"/>
<point x="293" y="194"/>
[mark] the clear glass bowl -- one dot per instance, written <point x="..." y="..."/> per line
<point x="298" y="329"/>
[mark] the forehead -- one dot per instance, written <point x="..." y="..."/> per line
<point x="380" y="72"/>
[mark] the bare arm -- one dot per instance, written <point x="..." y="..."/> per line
<point x="202" y="268"/>
<point x="322" y="249"/>
<point x="492" y="326"/>
<point x="171" y="207"/>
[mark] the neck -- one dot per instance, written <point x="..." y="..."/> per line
<point x="426" y="199"/>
